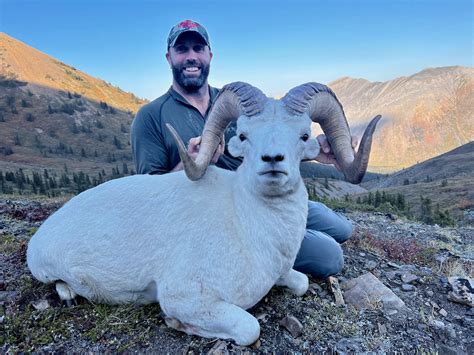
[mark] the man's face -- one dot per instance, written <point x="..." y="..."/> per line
<point x="190" y="60"/>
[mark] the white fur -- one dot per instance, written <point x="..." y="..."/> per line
<point x="204" y="250"/>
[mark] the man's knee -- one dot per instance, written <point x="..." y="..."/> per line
<point x="323" y="219"/>
<point x="345" y="231"/>
<point x="319" y="256"/>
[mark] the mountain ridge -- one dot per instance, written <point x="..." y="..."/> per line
<point x="424" y="115"/>
<point x="20" y="61"/>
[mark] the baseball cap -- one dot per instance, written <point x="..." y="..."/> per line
<point x="186" y="26"/>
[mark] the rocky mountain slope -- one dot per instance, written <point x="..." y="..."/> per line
<point x="53" y="116"/>
<point x="20" y="61"/>
<point x="424" y="115"/>
<point x="411" y="263"/>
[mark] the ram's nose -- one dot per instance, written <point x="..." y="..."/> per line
<point x="273" y="158"/>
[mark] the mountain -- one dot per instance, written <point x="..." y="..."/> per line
<point x="446" y="180"/>
<point x="424" y="115"/>
<point x="22" y="62"/>
<point x="457" y="163"/>
<point x="55" y="117"/>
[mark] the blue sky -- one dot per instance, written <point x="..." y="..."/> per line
<point x="273" y="45"/>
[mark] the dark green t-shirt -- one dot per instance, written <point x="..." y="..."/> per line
<point x="153" y="148"/>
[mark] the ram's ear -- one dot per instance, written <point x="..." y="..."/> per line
<point x="235" y="147"/>
<point x="311" y="150"/>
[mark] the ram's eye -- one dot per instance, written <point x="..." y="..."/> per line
<point x="305" y="137"/>
<point x="242" y="137"/>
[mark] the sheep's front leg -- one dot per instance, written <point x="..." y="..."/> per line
<point x="296" y="281"/>
<point x="66" y="294"/>
<point x="214" y="320"/>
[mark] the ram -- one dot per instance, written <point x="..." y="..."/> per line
<point x="206" y="243"/>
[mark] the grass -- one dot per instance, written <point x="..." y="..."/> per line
<point x="124" y="326"/>
<point x="332" y="319"/>
<point x="455" y="267"/>
<point x="8" y="244"/>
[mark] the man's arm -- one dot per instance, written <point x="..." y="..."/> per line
<point x="148" y="149"/>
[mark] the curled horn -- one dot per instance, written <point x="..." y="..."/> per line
<point x="234" y="99"/>
<point x="323" y="107"/>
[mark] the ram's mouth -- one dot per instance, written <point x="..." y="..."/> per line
<point x="273" y="173"/>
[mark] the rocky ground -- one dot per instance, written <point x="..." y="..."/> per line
<point x="413" y="263"/>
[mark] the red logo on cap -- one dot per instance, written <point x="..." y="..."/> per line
<point x="188" y="24"/>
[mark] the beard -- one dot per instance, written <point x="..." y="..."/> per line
<point x="190" y="84"/>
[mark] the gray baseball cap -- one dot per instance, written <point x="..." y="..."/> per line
<point x="187" y="26"/>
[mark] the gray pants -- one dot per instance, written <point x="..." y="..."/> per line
<point x="320" y="254"/>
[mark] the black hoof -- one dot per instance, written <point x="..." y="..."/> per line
<point x="69" y="303"/>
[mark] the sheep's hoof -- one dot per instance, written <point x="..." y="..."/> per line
<point x="69" y="303"/>
<point x="66" y="294"/>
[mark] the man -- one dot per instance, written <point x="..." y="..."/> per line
<point x="186" y="106"/>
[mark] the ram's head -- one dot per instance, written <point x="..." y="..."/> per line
<point x="273" y="136"/>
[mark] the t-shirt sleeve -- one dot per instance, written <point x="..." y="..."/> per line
<point x="148" y="148"/>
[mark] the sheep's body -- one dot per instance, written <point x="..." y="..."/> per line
<point x="205" y="250"/>
<point x="152" y="260"/>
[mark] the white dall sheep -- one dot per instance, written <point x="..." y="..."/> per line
<point x="209" y="246"/>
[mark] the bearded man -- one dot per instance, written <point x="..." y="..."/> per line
<point x="185" y="106"/>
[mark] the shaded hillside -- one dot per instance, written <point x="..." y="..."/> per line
<point x="424" y="115"/>
<point x="42" y="128"/>
<point x="25" y="63"/>
<point x="445" y="183"/>
<point x="457" y="163"/>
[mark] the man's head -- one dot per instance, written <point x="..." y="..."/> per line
<point x="189" y="55"/>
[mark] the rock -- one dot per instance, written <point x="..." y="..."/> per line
<point x="256" y="345"/>
<point x="430" y="293"/>
<point x="463" y="290"/>
<point x="40" y="305"/>
<point x="314" y="288"/>
<point x="220" y="347"/>
<point x="408" y="277"/>
<point x="437" y="324"/>
<point x="450" y="331"/>
<point x="382" y="329"/>
<point x="367" y="291"/>
<point x="390" y="275"/>
<point x="362" y="254"/>
<point x="333" y="285"/>
<point x="395" y="266"/>
<point x="293" y="325"/>
<point x="370" y="265"/>
<point x="349" y="345"/>
<point x="391" y="216"/>
<point x="408" y="288"/>
<point x="446" y="350"/>
<point x="7" y="296"/>
<point x="443" y="312"/>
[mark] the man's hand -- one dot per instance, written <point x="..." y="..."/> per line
<point x="326" y="155"/>
<point x="195" y="143"/>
